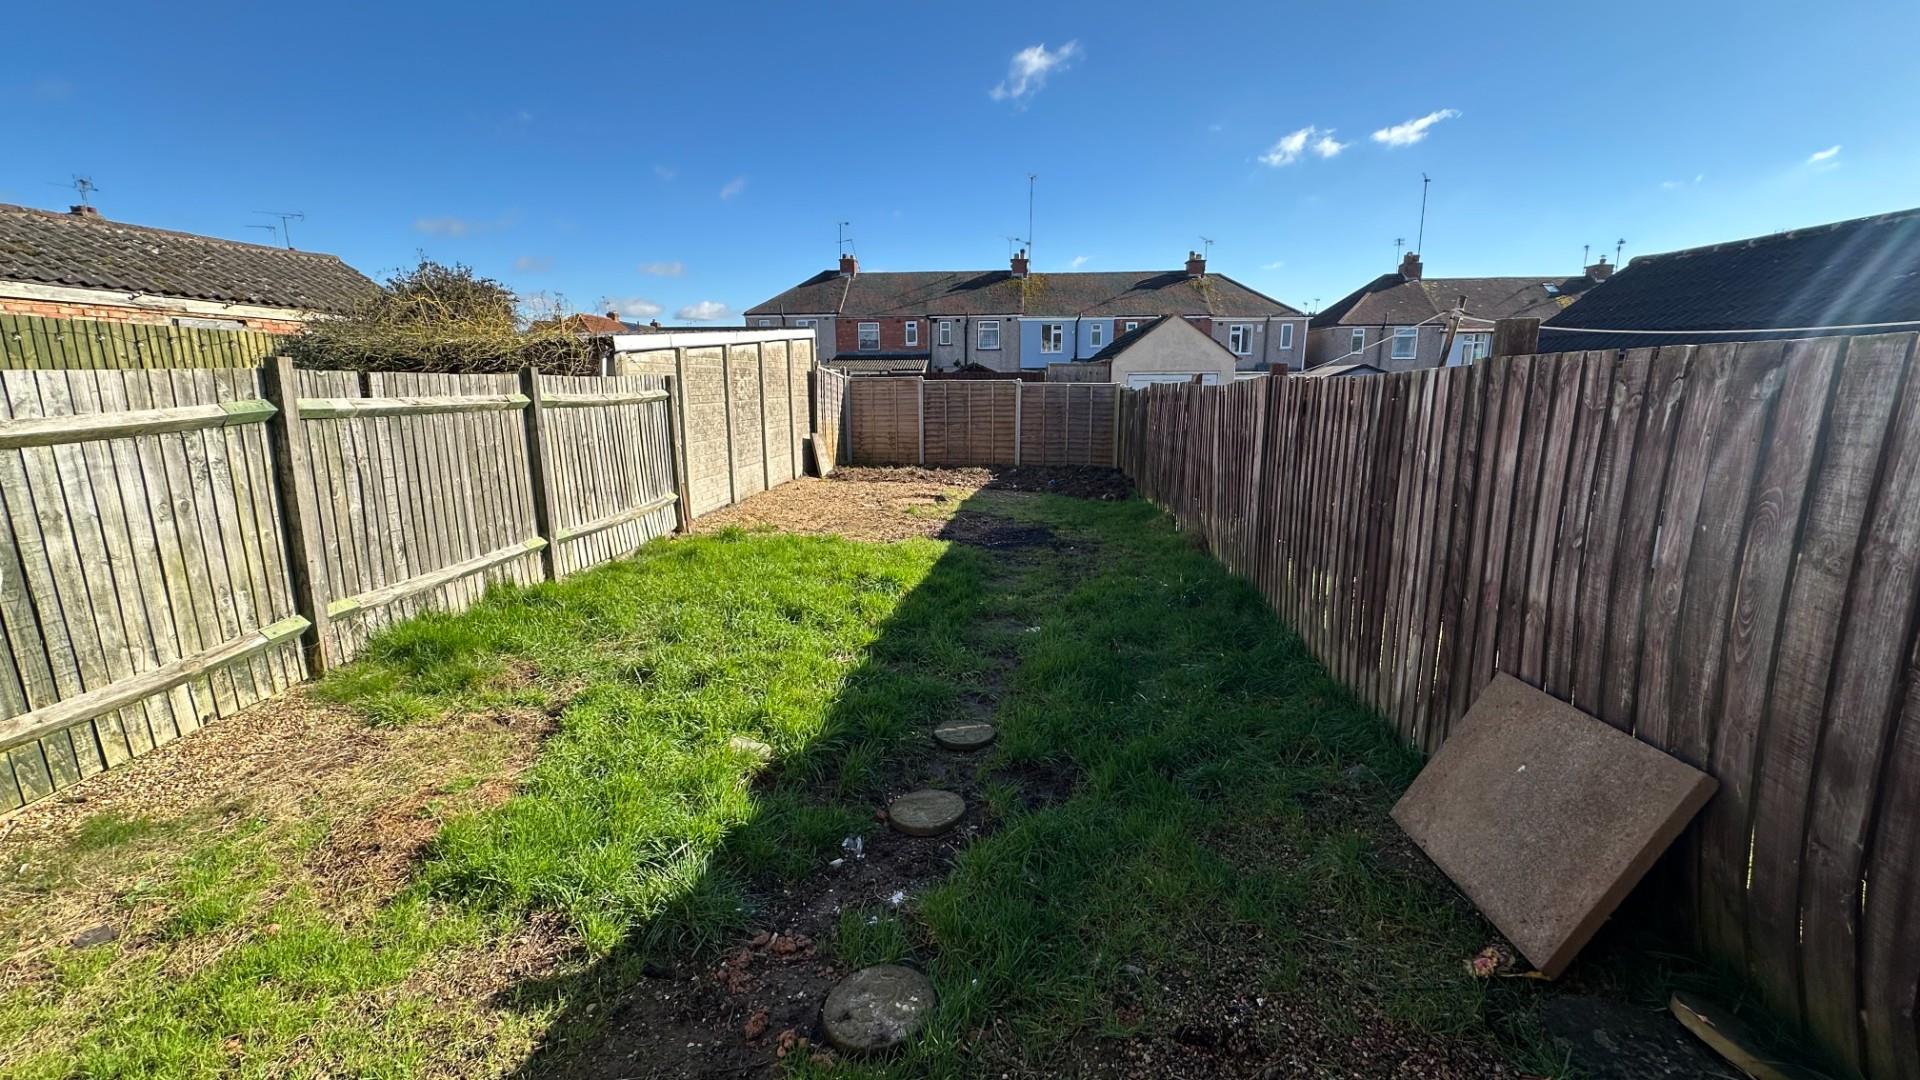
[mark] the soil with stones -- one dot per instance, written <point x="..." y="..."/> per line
<point x="1076" y="481"/>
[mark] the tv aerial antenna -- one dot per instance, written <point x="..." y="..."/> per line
<point x="83" y="185"/>
<point x="274" y="229"/>
<point x="844" y="240"/>
<point x="287" y="217"/>
<point x="1206" y="248"/>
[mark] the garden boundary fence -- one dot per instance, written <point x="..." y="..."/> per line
<point x="179" y="545"/>
<point x="1713" y="547"/>
<point x="940" y="422"/>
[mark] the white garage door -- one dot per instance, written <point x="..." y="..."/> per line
<point x="1148" y="378"/>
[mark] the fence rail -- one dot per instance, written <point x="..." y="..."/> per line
<point x="1713" y="547"/>
<point x="909" y="421"/>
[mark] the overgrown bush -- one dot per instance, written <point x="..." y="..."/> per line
<point x="443" y="318"/>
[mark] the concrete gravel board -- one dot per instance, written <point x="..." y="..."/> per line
<point x="1547" y="817"/>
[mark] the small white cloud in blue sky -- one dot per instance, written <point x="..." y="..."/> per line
<point x="704" y="311"/>
<point x="459" y="226"/>
<point x="1293" y="145"/>
<point x="664" y="269"/>
<point x="665" y="172"/>
<point x="733" y="187"/>
<point x="1274" y="265"/>
<point x="1413" y="130"/>
<point x="533" y="264"/>
<point x="1027" y="73"/>
<point x="1825" y="158"/>
<point x="1676" y="185"/>
<point x="632" y="307"/>
<point x="1080" y="261"/>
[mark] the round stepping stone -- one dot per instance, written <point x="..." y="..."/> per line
<point x="964" y="734"/>
<point x="876" y="1008"/>
<point x="926" y="813"/>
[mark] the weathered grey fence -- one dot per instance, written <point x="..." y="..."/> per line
<point x="742" y="402"/>
<point x="909" y="421"/>
<point x="1713" y="547"/>
<point x="178" y="545"/>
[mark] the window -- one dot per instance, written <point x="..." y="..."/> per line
<point x="946" y="332"/>
<point x="1053" y="336"/>
<point x="803" y="322"/>
<point x="766" y="322"/>
<point x="1406" y="342"/>
<point x="1475" y="347"/>
<point x="1286" y="336"/>
<point x="1357" y="342"/>
<point x="1132" y="326"/>
<point x="989" y="334"/>
<point x="1096" y="335"/>
<point x="869" y="337"/>
<point x="913" y="331"/>
<point x="1240" y="339"/>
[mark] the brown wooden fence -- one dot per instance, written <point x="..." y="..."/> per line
<point x="34" y="341"/>
<point x="906" y="421"/>
<point x="178" y="545"/>
<point x="1713" y="547"/>
<point x="830" y="415"/>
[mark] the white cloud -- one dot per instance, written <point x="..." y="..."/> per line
<point x="633" y="307"/>
<point x="1080" y="261"/>
<point x="1676" y="185"/>
<point x="443" y="226"/>
<point x="704" y="311"/>
<point x="1292" y="145"/>
<point x="1824" y="158"/>
<point x="1274" y="265"/>
<point x="733" y="187"/>
<point x="459" y="226"/>
<point x="533" y="264"/>
<point x="1288" y="149"/>
<point x="1413" y="130"/>
<point x="665" y="172"/>
<point x="1029" y="69"/>
<point x="664" y="269"/>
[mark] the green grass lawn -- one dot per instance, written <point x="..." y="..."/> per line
<point x="1180" y="797"/>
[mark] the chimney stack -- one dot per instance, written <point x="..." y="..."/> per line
<point x="83" y="210"/>
<point x="1600" y="271"/>
<point x="614" y="315"/>
<point x="1019" y="263"/>
<point x="849" y="266"/>
<point x="1410" y="266"/>
<point x="1196" y="264"/>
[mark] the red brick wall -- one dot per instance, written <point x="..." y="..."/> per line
<point x="893" y="335"/>
<point x="113" y="313"/>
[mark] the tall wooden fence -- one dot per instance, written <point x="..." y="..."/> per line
<point x="178" y="545"/>
<point x="830" y="414"/>
<point x="905" y="421"/>
<point x="33" y="341"/>
<point x="1713" y="547"/>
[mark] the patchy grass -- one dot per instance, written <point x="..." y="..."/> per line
<point x="1187" y="853"/>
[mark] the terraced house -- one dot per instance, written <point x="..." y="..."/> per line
<point x="1014" y="320"/>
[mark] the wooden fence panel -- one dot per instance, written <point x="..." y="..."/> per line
<point x="130" y="556"/>
<point x="830" y="399"/>
<point x="897" y="421"/>
<point x="34" y="341"/>
<point x="610" y="463"/>
<point x="1713" y="547"/>
<point x="884" y="415"/>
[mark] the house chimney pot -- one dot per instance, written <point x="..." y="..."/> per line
<point x="614" y="315"/>
<point x="1019" y="263"/>
<point x="83" y="210"/>
<point x="1196" y="264"/>
<point x="849" y="265"/>
<point x="1410" y="266"/>
<point x="1601" y="270"/>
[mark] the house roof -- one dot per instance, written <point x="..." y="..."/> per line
<point x="586" y="323"/>
<point x="998" y="292"/>
<point x="1866" y="270"/>
<point x="1334" y="371"/>
<point x="1392" y="300"/>
<point x="90" y="252"/>
<point x="879" y="364"/>
<point x="1133" y="337"/>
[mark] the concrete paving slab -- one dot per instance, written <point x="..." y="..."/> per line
<point x="876" y="1008"/>
<point x="1547" y="817"/>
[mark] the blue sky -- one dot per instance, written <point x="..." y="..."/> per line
<point x="692" y="160"/>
